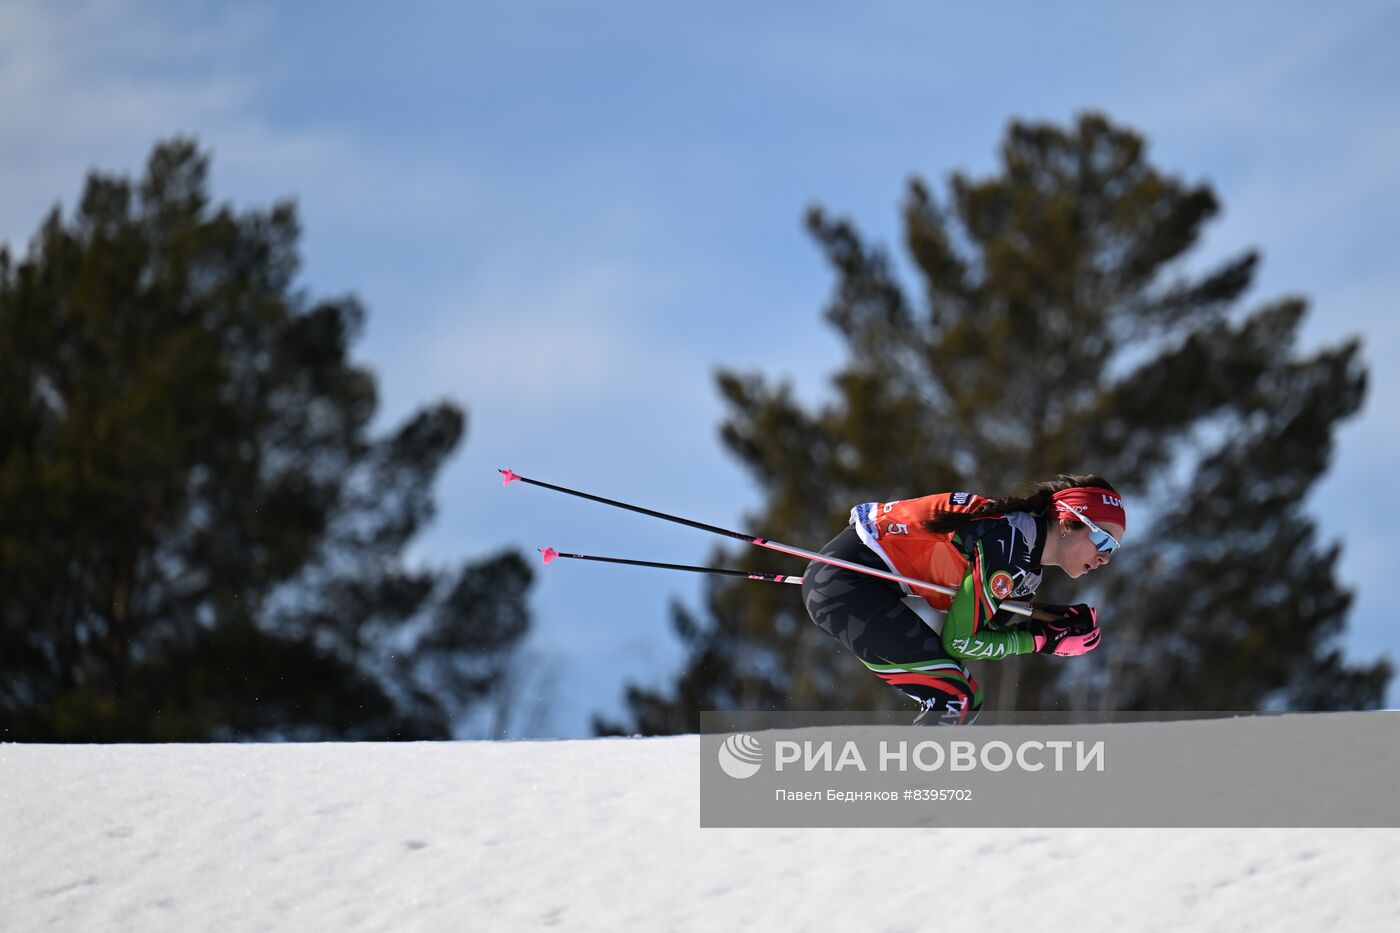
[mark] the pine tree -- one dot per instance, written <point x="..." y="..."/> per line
<point x="1057" y="328"/>
<point x="199" y="538"/>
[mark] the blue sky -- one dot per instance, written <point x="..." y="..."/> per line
<point x="566" y="216"/>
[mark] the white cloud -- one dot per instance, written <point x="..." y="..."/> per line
<point x="88" y="82"/>
<point x="95" y="85"/>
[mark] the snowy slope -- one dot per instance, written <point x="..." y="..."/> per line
<point x="596" y="835"/>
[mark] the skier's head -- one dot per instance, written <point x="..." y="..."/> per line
<point x="1085" y="522"/>
<point x="1084" y="519"/>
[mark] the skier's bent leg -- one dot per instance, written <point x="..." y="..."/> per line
<point x="942" y="709"/>
<point x="868" y="616"/>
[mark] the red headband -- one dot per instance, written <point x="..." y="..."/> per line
<point x="1101" y="505"/>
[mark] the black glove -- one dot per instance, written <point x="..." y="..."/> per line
<point x="1078" y="618"/>
<point x="1075" y="631"/>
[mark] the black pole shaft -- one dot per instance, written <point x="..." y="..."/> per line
<point x="719" y="571"/>
<point x="750" y="539"/>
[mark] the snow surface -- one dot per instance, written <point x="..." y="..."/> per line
<point x="598" y="834"/>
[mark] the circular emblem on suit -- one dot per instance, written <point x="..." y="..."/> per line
<point x="1001" y="584"/>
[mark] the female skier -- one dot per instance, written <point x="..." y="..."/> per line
<point x="991" y="550"/>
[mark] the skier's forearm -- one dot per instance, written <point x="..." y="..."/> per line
<point x="989" y="646"/>
<point x="966" y="639"/>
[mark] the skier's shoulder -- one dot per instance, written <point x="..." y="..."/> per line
<point x="935" y="503"/>
<point x="955" y="501"/>
<point x="1008" y="538"/>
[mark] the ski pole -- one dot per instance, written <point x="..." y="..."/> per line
<point x="509" y="476"/>
<point x="550" y="554"/>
